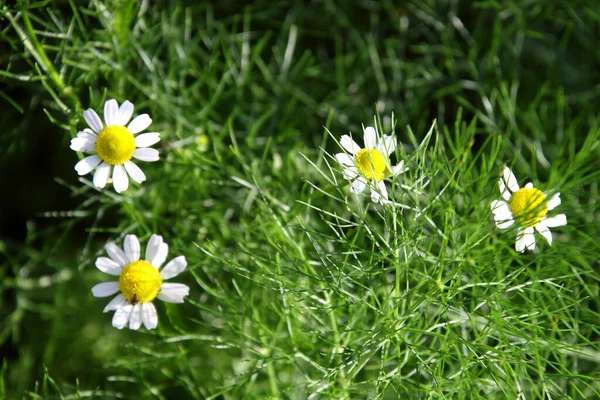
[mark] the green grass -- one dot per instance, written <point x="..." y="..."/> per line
<point x="299" y="289"/>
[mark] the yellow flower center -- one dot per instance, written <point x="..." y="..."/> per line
<point x="528" y="206"/>
<point x="115" y="145"/>
<point x="372" y="164"/>
<point x="140" y="282"/>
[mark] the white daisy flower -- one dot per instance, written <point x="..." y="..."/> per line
<point x="115" y="144"/>
<point x="528" y="207"/>
<point x="371" y="165"/>
<point x="140" y="281"/>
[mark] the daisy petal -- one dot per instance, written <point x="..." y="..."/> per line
<point x="398" y="169"/>
<point x="520" y="243"/>
<point x="505" y="223"/>
<point x="108" y="266"/>
<point x="131" y="244"/>
<point x="149" y="316"/>
<point x="101" y="175"/>
<point x="557" y="220"/>
<point x="147" y="139"/>
<point x="134" y="172"/>
<point x="116" y="254"/>
<point x="135" y="318"/>
<point x="161" y="256"/>
<point x="510" y="179"/>
<point x="125" y="113"/>
<point x="349" y="145"/>
<point x="116" y="303"/>
<point x="379" y="193"/>
<point x="174" y="267"/>
<point x="86" y="165"/>
<point x="387" y="145"/>
<point x="500" y="207"/>
<point x="554" y="202"/>
<point x="83" y="144"/>
<point x="120" y="179"/>
<point x="121" y="317"/>
<point x="344" y="159"/>
<point x="139" y="123"/>
<point x="529" y="185"/>
<point x="146" y="154"/>
<point x="358" y="186"/>
<point x="153" y="247"/>
<point x="529" y="239"/>
<point x="111" y="112"/>
<point x="93" y="120"/>
<point x="173" y="292"/>
<point x="544" y="231"/>
<point x="350" y="173"/>
<point x="370" y="139"/>
<point x="87" y="133"/>
<point x="105" y="289"/>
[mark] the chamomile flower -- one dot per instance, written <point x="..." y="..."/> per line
<point x="528" y="208"/>
<point x="140" y="281"/>
<point x="369" y="166"/>
<point x="115" y="144"/>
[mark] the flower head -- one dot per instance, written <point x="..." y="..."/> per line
<point x="369" y="166"/>
<point x="140" y="281"/>
<point x="115" y="144"/>
<point x="528" y="208"/>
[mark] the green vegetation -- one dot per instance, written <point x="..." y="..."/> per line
<point x="299" y="288"/>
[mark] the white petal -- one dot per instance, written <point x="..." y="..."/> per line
<point x="520" y="243"/>
<point x="173" y="292"/>
<point x="87" y="133"/>
<point x="101" y="175"/>
<point x="120" y="179"/>
<point x="87" y="164"/>
<point x="135" y="318"/>
<point x="108" y="266"/>
<point x="125" y="113"/>
<point x="387" y="145"/>
<point x="117" y="302"/>
<point x="344" y="159"/>
<point x="500" y="207"/>
<point x="544" y="231"/>
<point x="350" y="173"/>
<point x="554" y="202"/>
<point x="93" y="120"/>
<point x="116" y="254"/>
<point x="505" y="223"/>
<point x="146" y="154"/>
<point x="131" y="244"/>
<point x="370" y="139"/>
<point x="111" y="111"/>
<point x="379" y="193"/>
<point x="529" y="239"/>
<point x="510" y="179"/>
<point x="358" y="186"/>
<point x="139" y="123"/>
<point x="161" y="256"/>
<point x="529" y="185"/>
<point x="553" y="222"/>
<point x="149" y="316"/>
<point x="398" y="169"/>
<point x="121" y="317"/>
<point x="174" y="267"/>
<point x="349" y="145"/>
<point x="83" y="144"/>
<point x="134" y="172"/>
<point x="153" y="247"/>
<point x="147" y="139"/>
<point x="105" y="289"/>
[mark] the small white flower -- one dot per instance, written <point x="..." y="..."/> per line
<point x="115" y="144"/>
<point x="140" y="281"/>
<point x="369" y="166"/>
<point x="528" y="208"/>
